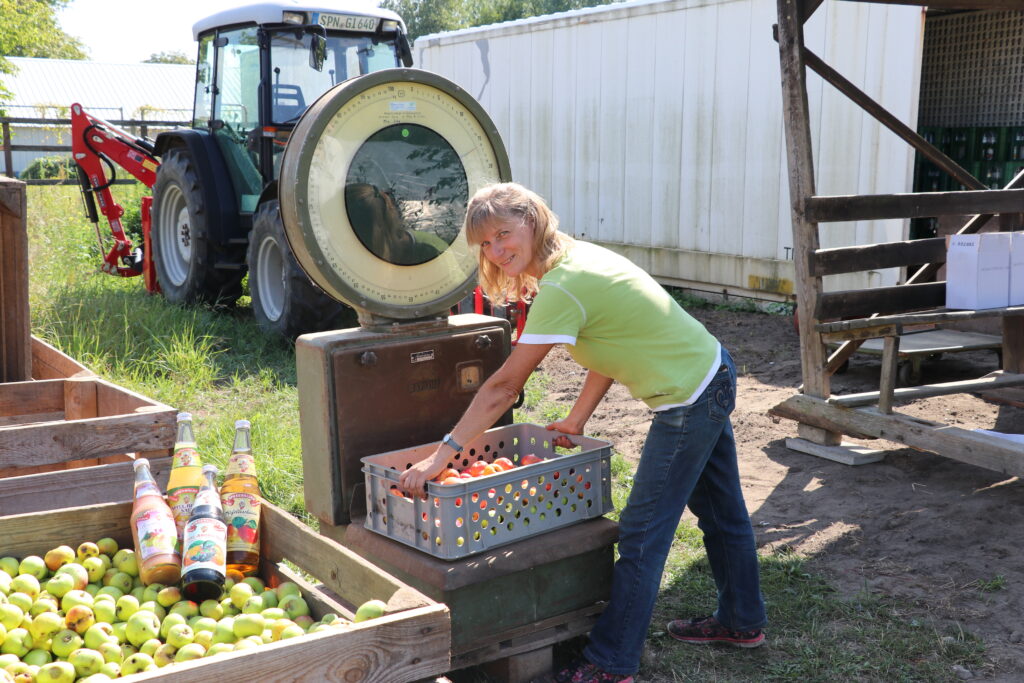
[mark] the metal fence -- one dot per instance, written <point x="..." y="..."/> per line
<point x="140" y="127"/>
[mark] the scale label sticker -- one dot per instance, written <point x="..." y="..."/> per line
<point x="421" y="356"/>
<point x="402" y="106"/>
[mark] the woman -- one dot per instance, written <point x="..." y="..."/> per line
<point x="622" y="326"/>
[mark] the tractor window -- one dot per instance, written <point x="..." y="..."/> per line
<point x="204" y="83"/>
<point x="236" y="110"/>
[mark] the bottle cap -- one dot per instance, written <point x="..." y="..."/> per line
<point x="184" y="416"/>
<point x="242" y="424"/>
<point x="210" y="468"/>
<point x="139" y="462"/>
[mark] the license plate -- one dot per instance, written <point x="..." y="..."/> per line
<point x="346" y="22"/>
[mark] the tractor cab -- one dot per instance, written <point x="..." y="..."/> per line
<point x="260" y="66"/>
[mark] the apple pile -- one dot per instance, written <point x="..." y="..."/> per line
<point x="85" y="615"/>
<point x="475" y="470"/>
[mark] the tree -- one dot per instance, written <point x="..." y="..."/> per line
<point x="29" y="28"/>
<point x="174" y="57"/>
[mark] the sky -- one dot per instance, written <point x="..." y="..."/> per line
<point x="129" y="31"/>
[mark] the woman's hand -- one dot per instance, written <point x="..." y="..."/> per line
<point x="566" y="426"/>
<point x="414" y="480"/>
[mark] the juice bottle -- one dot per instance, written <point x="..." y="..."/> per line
<point x="241" y="497"/>
<point x="186" y="474"/>
<point x="202" y="563"/>
<point x="156" y="540"/>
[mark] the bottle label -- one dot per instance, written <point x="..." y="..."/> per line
<point x="242" y="510"/>
<point x="241" y="463"/>
<point x="186" y="456"/>
<point x="157" y="535"/>
<point x="181" y="501"/>
<point x="204" y="545"/>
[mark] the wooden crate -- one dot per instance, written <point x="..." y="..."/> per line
<point x="66" y="435"/>
<point x="410" y="643"/>
<point x="15" y="351"/>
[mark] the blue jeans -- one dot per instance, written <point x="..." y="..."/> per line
<point x="689" y="457"/>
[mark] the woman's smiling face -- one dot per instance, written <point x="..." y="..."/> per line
<point x="508" y="244"/>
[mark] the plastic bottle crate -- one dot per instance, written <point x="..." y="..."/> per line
<point x="457" y="520"/>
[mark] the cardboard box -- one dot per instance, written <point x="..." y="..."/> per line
<point x="1017" y="269"/>
<point x="978" y="271"/>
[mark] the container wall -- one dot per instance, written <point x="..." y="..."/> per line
<point x="655" y="128"/>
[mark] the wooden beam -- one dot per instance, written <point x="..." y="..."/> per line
<point x="953" y="4"/>
<point x="906" y="319"/>
<point x="887" y="383"/>
<point x="15" y="333"/>
<point x="1013" y="343"/>
<point x="875" y="256"/>
<point x="912" y="205"/>
<point x="882" y="115"/>
<point x="807" y="8"/>
<point x="964" y="445"/>
<point x="993" y="380"/>
<point x="894" y="299"/>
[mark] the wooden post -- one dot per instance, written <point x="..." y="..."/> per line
<point x="8" y="156"/>
<point x="15" y="330"/>
<point x="887" y="383"/>
<point x="1013" y="343"/>
<point x="801" y="186"/>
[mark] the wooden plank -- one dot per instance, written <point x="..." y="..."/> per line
<point x="341" y="570"/>
<point x="117" y="400"/>
<point x="877" y="256"/>
<point x="74" y="487"/>
<point x="931" y="342"/>
<point x="887" y="382"/>
<point x="911" y="205"/>
<point x="319" y="602"/>
<point x="953" y="4"/>
<point x="1013" y="343"/>
<point x="921" y="318"/>
<point x="963" y="445"/>
<point x="523" y="667"/>
<point x="48" y="362"/>
<point x="80" y="399"/>
<point x="15" y="334"/>
<point x="993" y="380"/>
<point x="34" y="533"/>
<point x="881" y="300"/>
<point x="24" y="399"/>
<point x="807" y="8"/>
<point x="847" y="452"/>
<point x="52" y="442"/>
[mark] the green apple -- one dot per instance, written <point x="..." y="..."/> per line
<point x="203" y="624"/>
<point x="60" y="584"/>
<point x="105" y="611"/>
<point x="122" y="581"/>
<point x="9" y="565"/>
<point x="295" y="606"/>
<point x="164" y="655"/>
<point x="65" y="642"/>
<point x="37" y="657"/>
<point x="151" y="592"/>
<point x="78" y="572"/>
<point x="154" y="607"/>
<point x="150" y="646"/>
<point x="139" y="593"/>
<point x="112" y="591"/>
<point x="44" y="603"/>
<point x="99" y="633"/>
<point x="79" y="619"/>
<point x="75" y="597"/>
<point x="229" y="608"/>
<point x="109" y="574"/>
<point x="253" y="605"/>
<point x="256" y="582"/>
<point x="186" y="608"/>
<point x="85" y="551"/>
<point x="181" y="635"/>
<point x="239" y="593"/>
<point x="225" y="633"/>
<point x="92" y="589"/>
<point x="305" y="621"/>
<point x="292" y="631"/>
<point x="274" y="613"/>
<point x="371" y="609"/>
<point x="58" y="557"/>
<point x="27" y="584"/>
<point x="94" y="568"/>
<point x="329" y="618"/>
<point x="188" y="652"/>
<point x="211" y="608"/>
<point x="126" y="561"/>
<point x="277" y="626"/>
<point x="99" y="677"/>
<point x="125" y="607"/>
<point x="56" y="672"/>
<point x="218" y="648"/>
<point x="168" y="596"/>
<point x="34" y="565"/>
<point x="86" y="662"/>
<point x="250" y="624"/>
<point x="18" y="642"/>
<point x="136" y="663"/>
<point x="5" y="583"/>
<point x="23" y="601"/>
<point x="107" y="546"/>
<point x="120" y="628"/>
<point x="46" y="625"/>
<point x="169" y="621"/>
<point x="205" y="639"/>
<point x="246" y="644"/>
<point x="142" y="626"/>
<point x="107" y="562"/>
<point x="111" y="669"/>
<point x="111" y="651"/>
<point x="288" y="588"/>
<point x="127" y="650"/>
<point x="270" y="598"/>
<point x="8" y="660"/>
<point x="11" y="615"/>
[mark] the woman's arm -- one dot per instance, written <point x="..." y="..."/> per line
<point x="492" y="400"/>
<point x="595" y="386"/>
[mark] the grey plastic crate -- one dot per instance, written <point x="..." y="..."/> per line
<point x="457" y="520"/>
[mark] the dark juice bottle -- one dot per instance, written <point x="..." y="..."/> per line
<point x="240" y="496"/>
<point x="203" y="553"/>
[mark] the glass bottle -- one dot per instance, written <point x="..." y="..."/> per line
<point x="186" y="474"/>
<point x="202" y="563"/>
<point x="240" y="495"/>
<point x="156" y="539"/>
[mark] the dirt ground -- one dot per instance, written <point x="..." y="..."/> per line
<point x="943" y="535"/>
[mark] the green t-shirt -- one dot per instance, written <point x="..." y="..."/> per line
<point x="616" y="320"/>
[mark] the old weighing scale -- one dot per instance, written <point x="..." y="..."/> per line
<point x="385" y="165"/>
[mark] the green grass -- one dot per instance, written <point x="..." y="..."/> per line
<point x="220" y="367"/>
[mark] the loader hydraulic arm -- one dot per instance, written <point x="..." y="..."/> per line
<point x="97" y="146"/>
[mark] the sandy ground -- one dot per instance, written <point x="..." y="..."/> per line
<point x="927" y="529"/>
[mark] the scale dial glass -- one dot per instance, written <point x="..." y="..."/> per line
<point x="374" y="186"/>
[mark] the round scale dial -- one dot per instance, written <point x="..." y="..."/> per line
<point x="374" y="185"/>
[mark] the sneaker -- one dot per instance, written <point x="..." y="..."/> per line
<point x="708" y="630"/>
<point x="582" y="671"/>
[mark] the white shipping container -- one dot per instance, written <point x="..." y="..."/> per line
<point x="655" y="128"/>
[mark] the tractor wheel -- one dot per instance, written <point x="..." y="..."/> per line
<point x="284" y="300"/>
<point x="183" y="252"/>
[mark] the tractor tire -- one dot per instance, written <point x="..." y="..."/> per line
<point x="284" y="300"/>
<point x="183" y="252"/>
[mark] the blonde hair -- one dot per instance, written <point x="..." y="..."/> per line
<point x="512" y="202"/>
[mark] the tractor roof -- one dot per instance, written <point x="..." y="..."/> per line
<point x="270" y="12"/>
